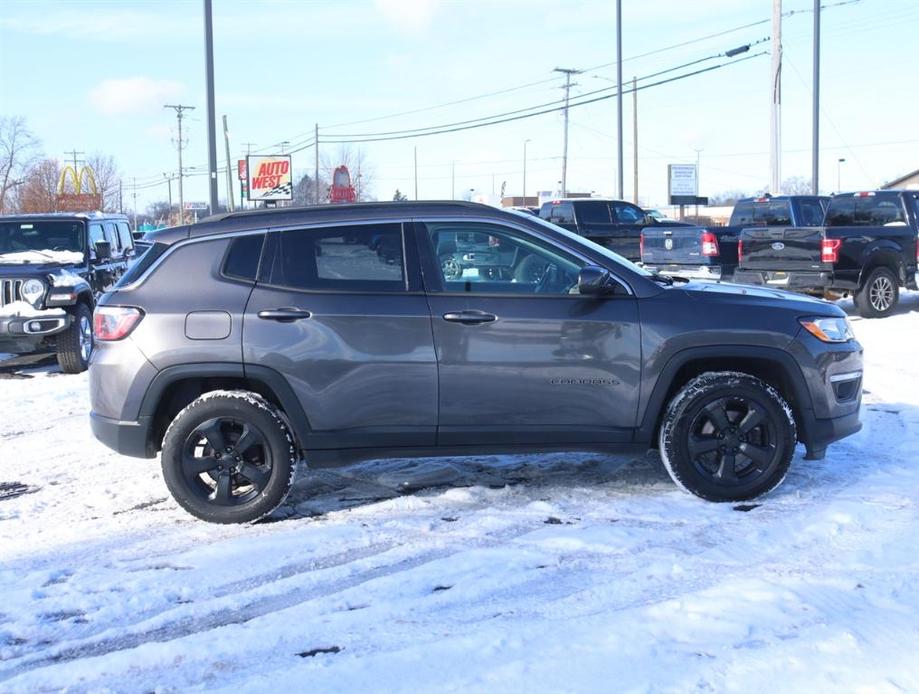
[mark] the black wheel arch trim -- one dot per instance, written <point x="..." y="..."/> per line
<point x="656" y="405"/>
<point x="268" y="378"/>
<point x="883" y="254"/>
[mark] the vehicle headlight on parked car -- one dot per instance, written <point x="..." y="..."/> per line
<point x="33" y="291"/>
<point x="829" y="329"/>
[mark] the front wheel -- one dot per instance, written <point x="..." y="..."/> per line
<point x="727" y="436"/>
<point x="229" y="457"/>
<point x="75" y="345"/>
<point x="879" y="295"/>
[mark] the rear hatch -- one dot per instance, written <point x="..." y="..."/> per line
<point x="782" y="248"/>
<point x="673" y="246"/>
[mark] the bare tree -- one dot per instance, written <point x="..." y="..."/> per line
<point x="796" y="185"/>
<point x="108" y="179"/>
<point x="363" y="175"/>
<point x="18" y="151"/>
<point x="38" y="192"/>
<point x="728" y="197"/>
<point x="305" y="191"/>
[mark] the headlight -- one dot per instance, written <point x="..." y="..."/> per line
<point x="829" y="329"/>
<point x="33" y="291"/>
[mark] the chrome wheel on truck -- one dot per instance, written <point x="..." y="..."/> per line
<point x="879" y="295"/>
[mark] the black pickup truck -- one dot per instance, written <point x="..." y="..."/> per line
<point x="614" y="224"/>
<point x="867" y="249"/>
<point x="711" y="252"/>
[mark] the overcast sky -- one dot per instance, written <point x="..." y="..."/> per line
<point x="94" y="76"/>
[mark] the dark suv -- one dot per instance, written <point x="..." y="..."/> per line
<point x="247" y="342"/>
<point x="52" y="267"/>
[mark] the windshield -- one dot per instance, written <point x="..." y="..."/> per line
<point x="595" y="247"/>
<point x="48" y="238"/>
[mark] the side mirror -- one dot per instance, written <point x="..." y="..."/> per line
<point x="595" y="281"/>
<point x="103" y="250"/>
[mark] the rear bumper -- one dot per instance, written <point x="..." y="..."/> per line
<point x="695" y="272"/>
<point x="128" y="438"/>
<point x="795" y="279"/>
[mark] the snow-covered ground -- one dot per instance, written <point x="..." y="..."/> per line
<point x="528" y="573"/>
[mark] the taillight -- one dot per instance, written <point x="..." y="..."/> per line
<point x="641" y="245"/>
<point x="739" y="250"/>
<point x="829" y="250"/>
<point x="115" y="322"/>
<point x="709" y="244"/>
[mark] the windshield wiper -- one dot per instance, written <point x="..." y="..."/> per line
<point x="668" y="280"/>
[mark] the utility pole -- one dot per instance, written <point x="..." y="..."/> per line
<point x="416" y="172"/>
<point x="775" y="145"/>
<point x="525" y="171"/>
<point x="453" y="180"/>
<point x="815" y="154"/>
<point x="568" y="72"/>
<point x="76" y="162"/>
<point x="231" y="203"/>
<point x="316" y="145"/>
<point x="635" y="140"/>
<point x="179" y="109"/>
<point x="169" y="185"/>
<point x="619" y="95"/>
<point x="211" y="114"/>
<point x="134" y="182"/>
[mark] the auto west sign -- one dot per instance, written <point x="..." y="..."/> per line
<point x="269" y="177"/>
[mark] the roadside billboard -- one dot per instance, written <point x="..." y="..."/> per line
<point x="269" y="177"/>
<point x="682" y="180"/>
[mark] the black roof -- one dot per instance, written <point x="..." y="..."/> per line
<point x="318" y="214"/>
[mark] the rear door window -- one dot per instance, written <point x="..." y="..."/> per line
<point x="243" y="257"/>
<point x="111" y="235"/>
<point x="124" y="235"/>
<point x="593" y="212"/>
<point x="362" y="258"/>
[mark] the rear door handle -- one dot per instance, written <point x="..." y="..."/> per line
<point x="470" y="317"/>
<point x="284" y="315"/>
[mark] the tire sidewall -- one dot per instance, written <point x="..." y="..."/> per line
<point x="675" y="432"/>
<point x="245" y="409"/>
<point x="70" y="357"/>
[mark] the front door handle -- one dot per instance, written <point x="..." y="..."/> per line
<point x="470" y="317"/>
<point x="284" y="315"/>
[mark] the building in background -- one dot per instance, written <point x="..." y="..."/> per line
<point x="910" y="182"/>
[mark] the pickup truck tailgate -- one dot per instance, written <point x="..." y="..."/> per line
<point x="674" y="246"/>
<point x="781" y="248"/>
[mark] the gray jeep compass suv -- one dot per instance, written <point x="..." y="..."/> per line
<point x="240" y="345"/>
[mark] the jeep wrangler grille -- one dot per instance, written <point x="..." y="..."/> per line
<point x="10" y="291"/>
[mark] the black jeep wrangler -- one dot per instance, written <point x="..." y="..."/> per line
<point x="52" y="268"/>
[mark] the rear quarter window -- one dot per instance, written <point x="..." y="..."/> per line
<point x="243" y="257"/>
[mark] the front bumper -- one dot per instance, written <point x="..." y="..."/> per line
<point x="821" y="433"/>
<point x="34" y="326"/>
<point x="694" y="272"/>
<point x="128" y="438"/>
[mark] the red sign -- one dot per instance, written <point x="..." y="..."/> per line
<point x="241" y="169"/>
<point x="78" y="202"/>
<point x="342" y="190"/>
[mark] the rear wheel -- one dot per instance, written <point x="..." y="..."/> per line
<point x="229" y="457"/>
<point x="75" y="345"/>
<point x="879" y="295"/>
<point x="727" y="437"/>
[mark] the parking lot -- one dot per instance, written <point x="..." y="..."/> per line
<point x="507" y="573"/>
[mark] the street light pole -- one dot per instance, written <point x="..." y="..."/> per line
<point x="211" y="113"/>
<point x="815" y="154"/>
<point x="775" y="145"/>
<point x="525" y="171"/>
<point x="619" y="154"/>
<point x="839" y="163"/>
